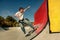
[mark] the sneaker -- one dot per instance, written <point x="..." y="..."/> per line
<point x="28" y="34"/>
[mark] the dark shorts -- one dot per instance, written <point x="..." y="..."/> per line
<point x="21" y="21"/>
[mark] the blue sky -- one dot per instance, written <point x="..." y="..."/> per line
<point x="10" y="7"/>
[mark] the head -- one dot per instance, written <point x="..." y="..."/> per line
<point x="21" y="10"/>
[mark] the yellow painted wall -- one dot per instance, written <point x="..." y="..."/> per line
<point x="54" y="15"/>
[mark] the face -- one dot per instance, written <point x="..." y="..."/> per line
<point x="22" y="10"/>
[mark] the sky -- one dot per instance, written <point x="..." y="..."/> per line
<point x="10" y="7"/>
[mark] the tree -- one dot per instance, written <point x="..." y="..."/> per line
<point x="10" y="18"/>
<point x="1" y="20"/>
<point x="11" y="21"/>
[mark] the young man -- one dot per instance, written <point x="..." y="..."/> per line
<point x="22" y="20"/>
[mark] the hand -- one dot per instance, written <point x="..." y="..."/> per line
<point x="28" y="6"/>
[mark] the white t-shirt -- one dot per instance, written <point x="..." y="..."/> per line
<point x="20" y="15"/>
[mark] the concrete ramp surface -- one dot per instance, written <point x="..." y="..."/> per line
<point x="16" y="34"/>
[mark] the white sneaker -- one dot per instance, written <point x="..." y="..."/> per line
<point x="27" y="34"/>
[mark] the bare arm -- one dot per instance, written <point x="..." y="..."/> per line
<point x="17" y="15"/>
<point x="26" y="8"/>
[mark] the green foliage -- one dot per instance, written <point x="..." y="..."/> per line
<point x="1" y="20"/>
<point x="9" y="21"/>
<point x="10" y="18"/>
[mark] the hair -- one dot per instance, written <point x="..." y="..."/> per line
<point x="21" y="8"/>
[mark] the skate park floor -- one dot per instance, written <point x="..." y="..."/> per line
<point x="15" y="33"/>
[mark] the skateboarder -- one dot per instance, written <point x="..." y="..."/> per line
<point x="22" y="20"/>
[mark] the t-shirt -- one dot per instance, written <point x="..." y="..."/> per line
<point x="19" y="15"/>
